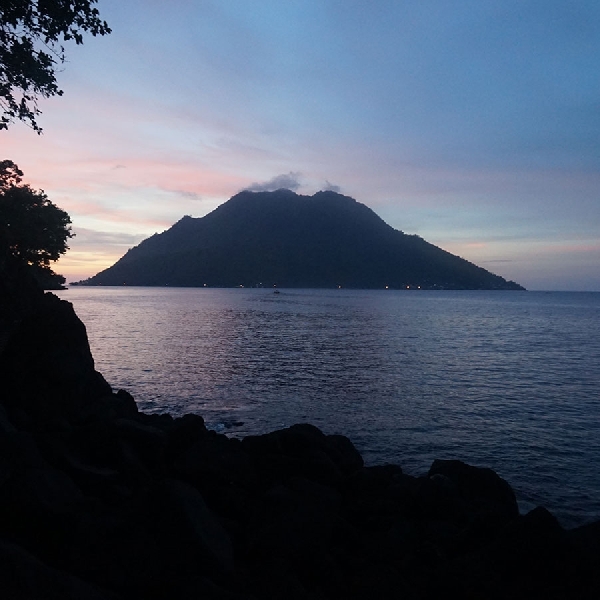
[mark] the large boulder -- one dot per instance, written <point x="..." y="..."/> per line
<point x="46" y="367"/>
<point x="19" y="295"/>
<point x="303" y="450"/>
<point x="25" y="577"/>
<point x="483" y="491"/>
<point x="191" y="536"/>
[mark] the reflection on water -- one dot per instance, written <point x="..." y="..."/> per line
<point x="502" y="379"/>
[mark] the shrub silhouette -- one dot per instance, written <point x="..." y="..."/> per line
<point x="33" y="230"/>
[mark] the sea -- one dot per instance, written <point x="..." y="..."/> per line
<point x="503" y="379"/>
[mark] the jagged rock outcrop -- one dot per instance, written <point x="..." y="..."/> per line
<point x="47" y="367"/>
<point x="19" y="294"/>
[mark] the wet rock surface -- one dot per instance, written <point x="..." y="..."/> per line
<point x="100" y="501"/>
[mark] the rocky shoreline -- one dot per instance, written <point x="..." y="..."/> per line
<point x="101" y="501"/>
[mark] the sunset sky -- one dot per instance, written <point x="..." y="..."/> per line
<point x="474" y="124"/>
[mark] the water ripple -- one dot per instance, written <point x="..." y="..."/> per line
<point x="504" y="379"/>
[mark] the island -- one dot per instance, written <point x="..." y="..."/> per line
<point x="283" y="239"/>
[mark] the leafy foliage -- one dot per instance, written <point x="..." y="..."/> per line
<point x="10" y="174"/>
<point x="33" y="230"/>
<point x="31" y="36"/>
<point x="47" y="279"/>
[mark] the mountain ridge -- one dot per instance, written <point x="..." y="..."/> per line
<point x="285" y="239"/>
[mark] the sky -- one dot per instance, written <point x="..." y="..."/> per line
<point x="473" y="124"/>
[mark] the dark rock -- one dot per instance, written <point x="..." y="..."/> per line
<point x="52" y="342"/>
<point x="100" y="482"/>
<point x="377" y="477"/>
<point x="186" y="431"/>
<point x="45" y="492"/>
<point x="376" y="580"/>
<point x="147" y="442"/>
<point x="298" y="520"/>
<point x="38" y="508"/>
<point x="97" y="443"/>
<point x="216" y="458"/>
<point x="327" y="499"/>
<point x="275" y="578"/>
<point x="344" y="454"/>
<point x="19" y="451"/>
<point x="6" y="425"/>
<point x="123" y="404"/>
<point x="585" y="547"/>
<point x="528" y="558"/>
<point x="292" y="522"/>
<point x="116" y="549"/>
<point x="587" y="537"/>
<point x="302" y="450"/>
<point x="439" y="497"/>
<point x="19" y="296"/>
<point x="481" y="488"/>
<point x="377" y="495"/>
<point x="535" y="542"/>
<point x="191" y="536"/>
<point x="25" y="577"/>
<point x="162" y="421"/>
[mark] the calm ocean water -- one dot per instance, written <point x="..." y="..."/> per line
<point x="507" y="380"/>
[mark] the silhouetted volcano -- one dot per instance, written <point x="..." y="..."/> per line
<point x="284" y="239"/>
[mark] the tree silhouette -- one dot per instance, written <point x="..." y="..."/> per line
<point x="31" y="36"/>
<point x="33" y="230"/>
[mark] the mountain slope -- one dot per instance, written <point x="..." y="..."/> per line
<point x="285" y="239"/>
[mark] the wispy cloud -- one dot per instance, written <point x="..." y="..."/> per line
<point x="91" y="237"/>
<point x="331" y="187"/>
<point x="288" y="181"/>
<point x="188" y="195"/>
